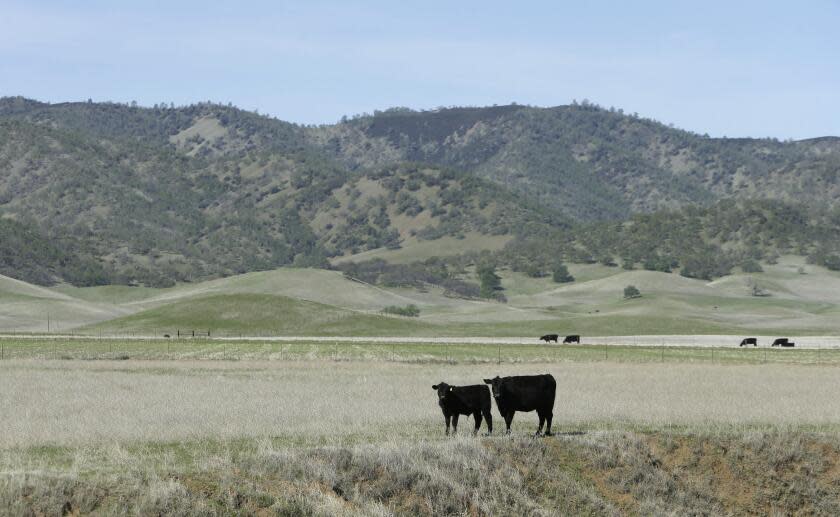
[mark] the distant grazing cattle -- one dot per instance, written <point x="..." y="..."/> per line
<point x="749" y="341"/>
<point x="574" y="338"/>
<point x="525" y="393"/>
<point x="464" y="400"/>
<point x="782" y="341"/>
<point x="166" y="335"/>
<point x="550" y="337"/>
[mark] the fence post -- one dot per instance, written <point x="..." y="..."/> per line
<point x="2" y="351"/>
<point x="500" y="354"/>
<point x="605" y="350"/>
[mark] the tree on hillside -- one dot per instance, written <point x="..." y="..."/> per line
<point x="751" y="266"/>
<point x="631" y="292"/>
<point x="560" y="274"/>
<point x="490" y="281"/>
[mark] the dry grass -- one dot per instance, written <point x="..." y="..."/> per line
<point x="366" y="438"/>
<point x="81" y="402"/>
<point x="599" y="473"/>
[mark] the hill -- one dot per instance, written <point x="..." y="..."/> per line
<point x="104" y="193"/>
<point x="796" y="298"/>
<point x="153" y="208"/>
<point x="590" y="162"/>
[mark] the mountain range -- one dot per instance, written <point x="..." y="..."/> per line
<point x="94" y="193"/>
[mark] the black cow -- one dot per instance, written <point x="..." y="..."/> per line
<point x="525" y="393"/>
<point x="574" y="338"/>
<point x="749" y="341"/>
<point x="550" y="337"/>
<point x="473" y="400"/>
<point x="782" y="341"/>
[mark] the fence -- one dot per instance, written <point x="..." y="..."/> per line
<point x="417" y="350"/>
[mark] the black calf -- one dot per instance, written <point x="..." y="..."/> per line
<point x="473" y="400"/>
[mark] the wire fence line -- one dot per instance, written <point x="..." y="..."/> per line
<point x="693" y="341"/>
<point x="382" y="349"/>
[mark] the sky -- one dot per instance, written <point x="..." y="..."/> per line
<point x="726" y="68"/>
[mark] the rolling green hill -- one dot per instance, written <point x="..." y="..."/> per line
<point x="796" y="298"/>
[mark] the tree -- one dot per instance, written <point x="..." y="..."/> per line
<point x="533" y="271"/>
<point x="631" y="292"/>
<point x="490" y="281"/>
<point x="751" y="266"/>
<point x="560" y="274"/>
<point x="831" y="262"/>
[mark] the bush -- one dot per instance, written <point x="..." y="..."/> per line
<point x="831" y="262"/>
<point x="751" y="266"/>
<point x="411" y="310"/>
<point x="631" y="292"/>
<point x="560" y="274"/>
<point x="490" y="281"/>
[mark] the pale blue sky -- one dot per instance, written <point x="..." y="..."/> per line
<point x="724" y="67"/>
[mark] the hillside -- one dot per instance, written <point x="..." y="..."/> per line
<point x="104" y="193"/>
<point x="797" y="298"/>
<point x="156" y="210"/>
<point x="592" y="163"/>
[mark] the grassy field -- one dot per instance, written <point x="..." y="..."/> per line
<point x="366" y="438"/>
<point x="658" y="411"/>
<point x="452" y="352"/>
<point x="413" y="249"/>
<point x="319" y="302"/>
<point x="123" y="401"/>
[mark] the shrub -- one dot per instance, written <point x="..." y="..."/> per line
<point x="751" y="266"/>
<point x="631" y="292"/>
<point x="560" y="274"/>
<point x="411" y="310"/>
<point x="490" y="281"/>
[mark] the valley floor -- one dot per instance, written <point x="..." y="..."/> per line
<point x="360" y="437"/>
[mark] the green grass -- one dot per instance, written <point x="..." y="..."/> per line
<point x="337" y="350"/>
<point x="413" y="249"/>
<point x="255" y="313"/>
<point x="281" y="302"/>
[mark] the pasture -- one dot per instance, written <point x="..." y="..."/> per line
<point x="801" y="299"/>
<point x="362" y="436"/>
<point x="72" y="403"/>
<point x="307" y="400"/>
<point x="631" y="349"/>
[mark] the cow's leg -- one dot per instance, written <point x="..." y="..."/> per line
<point x="489" y="418"/>
<point x="477" y="416"/>
<point x="508" y="421"/>
<point x="548" y="418"/>
<point x="446" y="417"/>
<point x="542" y="422"/>
<point x="455" y="423"/>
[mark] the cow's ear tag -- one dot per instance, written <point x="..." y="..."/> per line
<point x="450" y="388"/>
